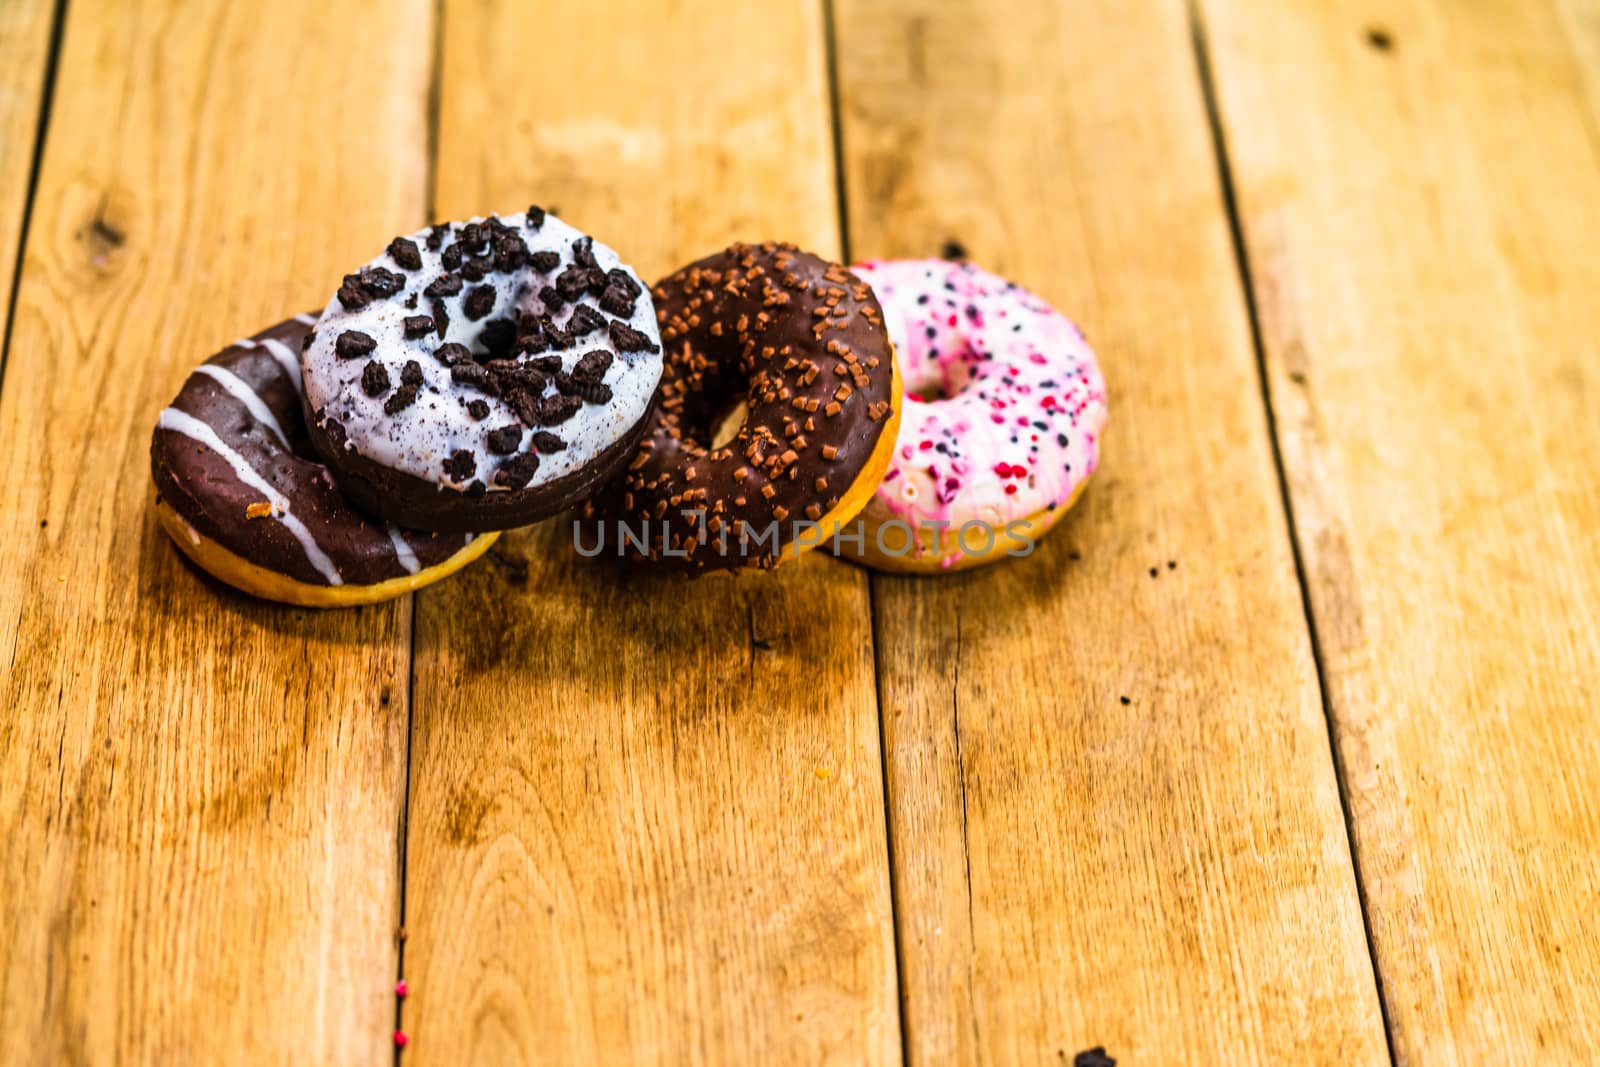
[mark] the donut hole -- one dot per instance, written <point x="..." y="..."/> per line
<point x="941" y="378"/>
<point x="725" y="427"/>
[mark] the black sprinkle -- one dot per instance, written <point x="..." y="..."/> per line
<point x="1125" y="701"/>
<point x="1379" y="38"/>
<point x="953" y="249"/>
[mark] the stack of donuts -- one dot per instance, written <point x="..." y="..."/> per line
<point x="484" y="375"/>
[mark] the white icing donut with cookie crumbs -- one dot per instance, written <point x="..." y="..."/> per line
<point x="500" y="356"/>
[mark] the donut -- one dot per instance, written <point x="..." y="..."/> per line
<point x="482" y="375"/>
<point x="800" y="344"/>
<point x="243" y="495"/>
<point x="1004" y="410"/>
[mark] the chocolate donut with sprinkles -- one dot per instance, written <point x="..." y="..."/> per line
<point x="243" y="495"/>
<point x="482" y="375"/>
<point x="1005" y="407"/>
<point x="799" y="344"/>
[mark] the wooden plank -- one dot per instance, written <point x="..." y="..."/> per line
<point x="1420" y="191"/>
<point x="24" y="56"/>
<point x="199" y="794"/>
<point x="1166" y="875"/>
<point x="646" y="820"/>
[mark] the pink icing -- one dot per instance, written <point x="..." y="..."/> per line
<point x="1004" y="402"/>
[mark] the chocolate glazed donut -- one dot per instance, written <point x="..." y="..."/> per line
<point x="245" y="497"/>
<point x="802" y="343"/>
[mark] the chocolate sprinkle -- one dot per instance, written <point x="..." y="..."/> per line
<point x="535" y="216"/>
<point x="353" y="344"/>
<point x="405" y="253"/>
<point x="444" y="285"/>
<point x="517" y="471"/>
<point x="627" y="339"/>
<point x="547" y="442"/>
<point x="411" y="373"/>
<point x="551" y="298"/>
<point x="592" y="366"/>
<point x="453" y="353"/>
<point x="558" y="409"/>
<point x="381" y="283"/>
<point x="451" y="258"/>
<point x="545" y="261"/>
<point x="585" y="320"/>
<point x="471" y="375"/>
<point x="403" y="398"/>
<point x="478" y="409"/>
<point x="505" y="440"/>
<point x="479" y="302"/>
<point x="415" y="326"/>
<point x="583" y="253"/>
<point x="460" y="465"/>
<point x="374" y="379"/>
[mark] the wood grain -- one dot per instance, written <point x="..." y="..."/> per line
<point x="1422" y="221"/>
<point x="646" y="819"/>
<point x="24" y="56"/>
<point x="199" y="794"/>
<point x="1114" y="810"/>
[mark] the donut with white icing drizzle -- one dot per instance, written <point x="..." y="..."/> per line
<point x="482" y="375"/>
<point x="242" y="493"/>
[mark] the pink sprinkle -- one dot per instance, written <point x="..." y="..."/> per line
<point x="925" y="445"/>
<point x="400" y="1039"/>
<point x="918" y="396"/>
<point x="1010" y="489"/>
<point x="952" y="320"/>
<point x="1037" y="358"/>
<point x="401" y="989"/>
<point x="894" y="472"/>
<point x="997" y="418"/>
<point x="1003" y="469"/>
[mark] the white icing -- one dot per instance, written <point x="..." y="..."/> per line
<point x="192" y="428"/>
<point x="306" y="320"/>
<point x="402" y="551"/>
<point x="240" y="390"/>
<point x="420" y="438"/>
<point x="286" y="359"/>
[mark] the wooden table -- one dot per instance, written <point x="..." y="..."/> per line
<point x="1283" y="749"/>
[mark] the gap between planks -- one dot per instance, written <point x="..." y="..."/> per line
<point x="47" y="90"/>
<point x="1208" y="92"/>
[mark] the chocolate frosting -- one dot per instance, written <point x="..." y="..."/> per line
<point x="802" y="342"/>
<point x="232" y="458"/>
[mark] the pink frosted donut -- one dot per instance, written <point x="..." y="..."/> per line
<point x="1004" y="407"/>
